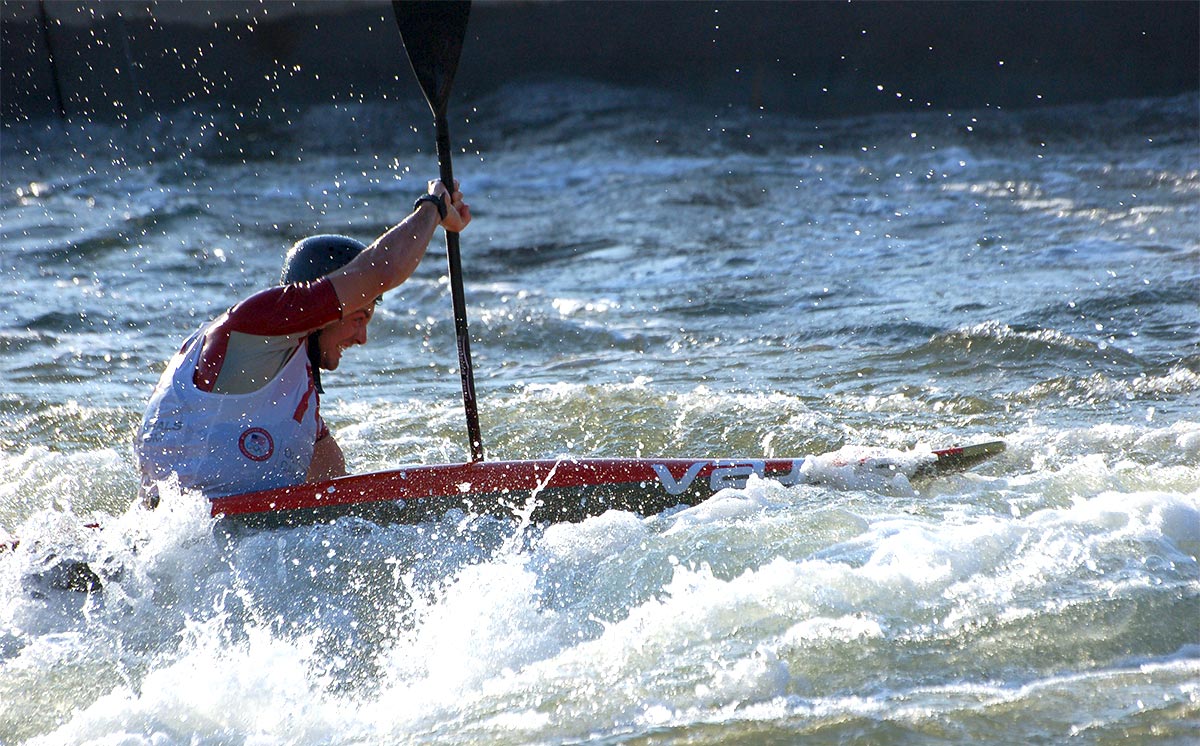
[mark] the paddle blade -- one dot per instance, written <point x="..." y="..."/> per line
<point x="433" y="33"/>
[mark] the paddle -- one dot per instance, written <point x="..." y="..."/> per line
<point x="433" y="32"/>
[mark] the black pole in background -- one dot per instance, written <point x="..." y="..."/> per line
<point x="44" y="21"/>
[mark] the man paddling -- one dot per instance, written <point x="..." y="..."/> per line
<point x="237" y="409"/>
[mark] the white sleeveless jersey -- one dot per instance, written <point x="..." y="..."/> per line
<point x="227" y="444"/>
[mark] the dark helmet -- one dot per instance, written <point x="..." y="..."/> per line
<point x="310" y="259"/>
<point x="316" y="256"/>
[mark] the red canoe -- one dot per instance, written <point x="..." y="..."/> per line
<point x="561" y="490"/>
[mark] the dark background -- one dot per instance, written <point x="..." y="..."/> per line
<point x="120" y="60"/>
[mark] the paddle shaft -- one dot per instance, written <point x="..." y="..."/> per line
<point x="433" y="33"/>
<point x="458" y="298"/>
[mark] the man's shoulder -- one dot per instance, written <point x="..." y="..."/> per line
<point x="250" y="343"/>
<point x="285" y="310"/>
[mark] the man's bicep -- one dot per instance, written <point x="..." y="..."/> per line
<point x="328" y="460"/>
<point x="355" y="289"/>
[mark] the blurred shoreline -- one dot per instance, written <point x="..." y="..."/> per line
<point x="118" y="60"/>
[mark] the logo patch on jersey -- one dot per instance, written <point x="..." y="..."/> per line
<point x="256" y="444"/>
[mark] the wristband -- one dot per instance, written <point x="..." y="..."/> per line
<point x="436" y="199"/>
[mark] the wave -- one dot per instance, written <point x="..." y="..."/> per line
<point x="1019" y="353"/>
<point x="764" y="595"/>
<point x="1099" y="388"/>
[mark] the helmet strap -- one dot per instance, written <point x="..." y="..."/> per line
<point x="314" y="360"/>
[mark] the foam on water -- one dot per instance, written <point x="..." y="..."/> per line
<point x="728" y="284"/>
<point x="773" y="605"/>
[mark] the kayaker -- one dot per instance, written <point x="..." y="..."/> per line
<point x="237" y="409"/>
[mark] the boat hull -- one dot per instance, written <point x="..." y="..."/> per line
<point x="541" y="491"/>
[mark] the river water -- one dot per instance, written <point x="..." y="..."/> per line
<point x="646" y="275"/>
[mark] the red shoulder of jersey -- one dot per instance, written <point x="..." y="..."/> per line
<point x="286" y="310"/>
<point x="282" y="311"/>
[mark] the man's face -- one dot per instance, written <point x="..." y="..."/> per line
<point x="336" y="337"/>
